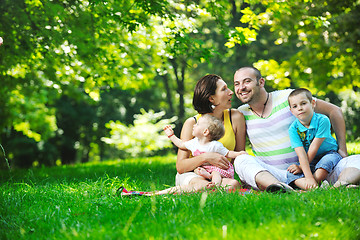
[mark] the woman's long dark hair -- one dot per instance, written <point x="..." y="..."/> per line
<point x="204" y="88"/>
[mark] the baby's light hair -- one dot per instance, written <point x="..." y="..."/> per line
<point x="215" y="126"/>
<point x="299" y="91"/>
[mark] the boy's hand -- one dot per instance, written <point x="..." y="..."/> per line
<point x="168" y="131"/>
<point x="294" y="169"/>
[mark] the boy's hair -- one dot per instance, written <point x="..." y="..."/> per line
<point x="215" y="126"/>
<point x="299" y="91"/>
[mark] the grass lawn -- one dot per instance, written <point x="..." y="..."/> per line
<point x="79" y="201"/>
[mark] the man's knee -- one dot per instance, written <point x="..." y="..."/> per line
<point x="243" y="161"/>
<point x="350" y="175"/>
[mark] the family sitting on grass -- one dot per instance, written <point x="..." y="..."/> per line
<point x="289" y="131"/>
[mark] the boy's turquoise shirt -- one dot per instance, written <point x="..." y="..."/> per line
<point x="320" y="127"/>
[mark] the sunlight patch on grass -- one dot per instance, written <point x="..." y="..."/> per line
<point x="353" y="148"/>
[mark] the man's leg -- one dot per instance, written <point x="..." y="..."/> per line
<point x="346" y="172"/>
<point x="348" y="176"/>
<point x="264" y="179"/>
<point x="258" y="174"/>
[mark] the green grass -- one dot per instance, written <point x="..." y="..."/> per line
<point x="79" y="201"/>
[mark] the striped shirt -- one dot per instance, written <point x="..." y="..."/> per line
<point x="269" y="136"/>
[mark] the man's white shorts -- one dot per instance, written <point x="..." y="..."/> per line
<point x="247" y="167"/>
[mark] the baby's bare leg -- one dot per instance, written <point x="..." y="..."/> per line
<point x="202" y="172"/>
<point x="216" y="178"/>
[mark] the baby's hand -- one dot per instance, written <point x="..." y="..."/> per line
<point x="168" y="131"/>
<point x="243" y="152"/>
<point x="294" y="169"/>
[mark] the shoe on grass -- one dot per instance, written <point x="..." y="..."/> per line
<point x="279" y="188"/>
<point x="325" y="184"/>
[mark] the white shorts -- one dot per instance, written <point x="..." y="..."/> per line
<point x="185" y="178"/>
<point x="247" y="167"/>
<point x="350" y="161"/>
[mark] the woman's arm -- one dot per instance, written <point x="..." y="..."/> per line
<point x="239" y="127"/>
<point x="337" y="122"/>
<point x="186" y="164"/>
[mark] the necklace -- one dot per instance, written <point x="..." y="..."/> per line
<point x="262" y="113"/>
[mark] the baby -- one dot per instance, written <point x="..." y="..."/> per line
<point x="207" y="131"/>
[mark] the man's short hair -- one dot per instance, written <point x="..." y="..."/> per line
<point x="254" y="69"/>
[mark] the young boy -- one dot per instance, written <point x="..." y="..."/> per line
<point x="207" y="131"/>
<point x="310" y="136"/>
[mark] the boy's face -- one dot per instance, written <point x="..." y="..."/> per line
<point x="302" y="108"/>
<point x="200" y="127"/>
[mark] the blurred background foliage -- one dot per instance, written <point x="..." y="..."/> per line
<point x="78" y="77"/>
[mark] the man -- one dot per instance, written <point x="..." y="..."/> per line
<point x="268" y="119"/>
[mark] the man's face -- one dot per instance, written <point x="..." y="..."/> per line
<point x="246" y="86"/>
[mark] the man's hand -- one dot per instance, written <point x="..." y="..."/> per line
<point x="294" y="169"/>
<point x="343" y="153"/>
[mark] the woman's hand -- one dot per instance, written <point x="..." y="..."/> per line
<point x="216" y="159"/>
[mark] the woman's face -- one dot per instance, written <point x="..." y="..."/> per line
<point x="223" y="95"/>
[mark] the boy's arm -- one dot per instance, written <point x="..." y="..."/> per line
<point x="305" y="166"/>
<point x="177" y="141"/>
<point x="314" y="147"/>
<point x="233" y="154"/>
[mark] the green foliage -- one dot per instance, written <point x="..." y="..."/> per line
<point x="350" y="105"/>
<point x="80" y="201"/>
<point x="323" y="60"/>
<point x="144" y="138"/>
<point x="277" y="76"/>
<point x="79" y="50"/>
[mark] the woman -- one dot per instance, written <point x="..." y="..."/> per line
<point x="211" y="96"/>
